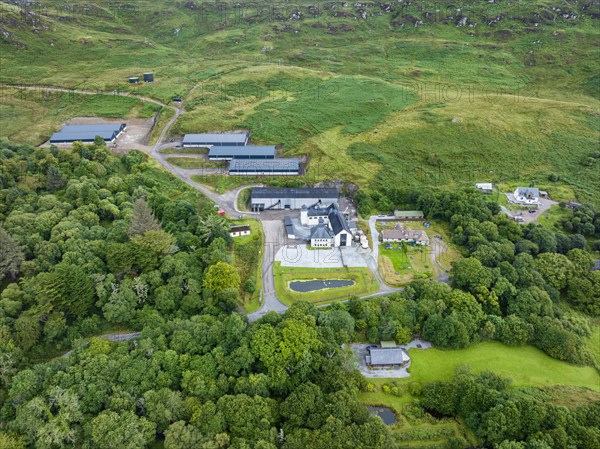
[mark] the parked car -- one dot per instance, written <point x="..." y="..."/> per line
<point x="532" y="211"/>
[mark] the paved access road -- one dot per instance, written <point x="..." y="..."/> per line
<point x="274" y="239"/>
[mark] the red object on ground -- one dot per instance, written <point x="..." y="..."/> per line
<point x="221" y="212"/>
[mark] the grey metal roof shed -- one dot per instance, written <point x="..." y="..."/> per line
<point x="295" y="192"/>
<point x="289" y="166"/>
<point x="209" y="139"/>
<point x="87" y="133"/>
<point x="385" y="356"/>
<point x="241" y="152"/>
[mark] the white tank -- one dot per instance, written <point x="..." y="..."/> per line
<point x="364" y="242"/>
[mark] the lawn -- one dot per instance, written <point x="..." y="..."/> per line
<point x="247" y="258"/>
<point x="400" y="264"/>
<point x="224" y="183"/>
<point x="194" y="162"/>
<point x="172" y="150"/>
<point x="525" y="365"/>
<point x="553" y="216"/>
<point x="243" y="199"/>
<point x="364" y="283"/>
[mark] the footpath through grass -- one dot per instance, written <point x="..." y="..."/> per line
<point x="364" y="283"/>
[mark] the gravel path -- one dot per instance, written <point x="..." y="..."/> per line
<point x="111" y="337"/>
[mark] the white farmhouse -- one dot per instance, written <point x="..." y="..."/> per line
<point x="241" y="230"/>
<point x="401" y="234"/>
<point x="527" y="196"/>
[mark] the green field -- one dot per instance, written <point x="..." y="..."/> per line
<point x="434" y="105"/>
<point x="364" y="283"/>
<point x="247" y="258"/>
<point x="193" y="162"/>
<point x="221" y="184"/>
<point x="525" y="365"/>
<point x="164" y="115"/>
<point x="172" y="150"/>
<point x="32" y="116"/>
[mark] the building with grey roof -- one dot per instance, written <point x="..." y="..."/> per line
<point x="87" y="133"/>
<point x="409" y="215"/>
<point x="228" y="152"/>
<point x="387" y="357"/>
<point x="333" y="218"/>
<point x="527" y="195"/>
<point x="264" y="167"/>
<point x="215" y="139"/>
<point x="262" y="198"/>
<point x="289" y="227"/>
<point x="321" y="236"/>
<point x="401" y="234"/>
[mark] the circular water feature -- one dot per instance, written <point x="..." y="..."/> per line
<point x="386" y="414"/>
<point x="317" y="284"/>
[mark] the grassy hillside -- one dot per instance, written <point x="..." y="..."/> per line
<point x="381" y="95"/>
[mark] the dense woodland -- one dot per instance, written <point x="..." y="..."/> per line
<point x="93" y="243"/>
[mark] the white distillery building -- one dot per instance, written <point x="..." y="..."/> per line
<point x="331" y="227"/>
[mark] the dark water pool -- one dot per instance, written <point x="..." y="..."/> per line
<point x="387" y="415"/>
<point x="315" y="284"/>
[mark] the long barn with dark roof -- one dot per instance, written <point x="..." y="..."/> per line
<point x="264" y="167"/>
<point x="87" y="133"/>
<point x="291" y="198"/>
<point x="227" y="153"/>
<point x="215" y="139"/>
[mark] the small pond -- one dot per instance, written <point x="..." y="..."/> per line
<point x="387" y="415"/>
<point x="316" y="284"/>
